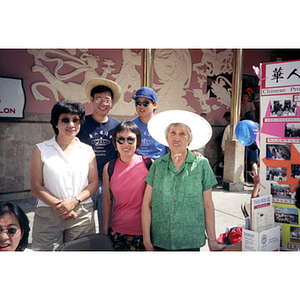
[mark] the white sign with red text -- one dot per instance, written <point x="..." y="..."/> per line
<point x="12" y="98"/>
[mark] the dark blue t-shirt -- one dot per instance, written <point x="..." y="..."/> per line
<point x="99" y="136"/>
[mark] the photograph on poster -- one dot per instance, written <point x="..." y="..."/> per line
<point x="276" y="174"/>
<point x="295" y="171"/>
<point x="282" y="108"/>
<point x="295" y="234"/>
<point x="278" y="152"/>
<point x="286" y="215"/>
<point x="281" y="190"/>
<point x="292" y="130"/>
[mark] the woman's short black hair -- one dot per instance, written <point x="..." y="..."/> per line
<point x="66" y="107"/>
<point x="130" y="126"/>
<point x="101" y="89"/>
<point x="12" y="208"/>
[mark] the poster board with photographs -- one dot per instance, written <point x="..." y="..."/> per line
<point x="280" y="145"/>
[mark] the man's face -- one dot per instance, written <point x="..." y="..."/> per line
<point x="227" y="118"/>
<point x="102" y="103"/>
<point x="245" y="98"/>
<point x="143" y="110"/>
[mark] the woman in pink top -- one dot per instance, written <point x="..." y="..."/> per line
<point x="126" y="186"/>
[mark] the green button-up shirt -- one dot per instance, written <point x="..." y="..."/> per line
<point x="178" y="220"/>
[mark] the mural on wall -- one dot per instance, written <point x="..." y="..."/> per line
<point x="67" y="71"/>
<point x="213" y="70"/>
<point x="129" y="80"/>
<point x="73" y="91"/>
<point x="86" y="64"/>
<point x="174" y="70"/>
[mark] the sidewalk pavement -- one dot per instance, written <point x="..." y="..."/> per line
<point x="227" y="208"/>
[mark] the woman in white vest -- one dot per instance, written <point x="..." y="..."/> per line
<point x="63" y="176"/>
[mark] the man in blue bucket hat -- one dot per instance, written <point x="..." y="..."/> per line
<point x="145" y="103"/>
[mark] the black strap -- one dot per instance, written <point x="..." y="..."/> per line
<point x="111" y="165"/>
<point x="147" y="161"/>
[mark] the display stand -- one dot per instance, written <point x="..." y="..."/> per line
<point x="280" y="145"/>
<point x="260" y="232"/>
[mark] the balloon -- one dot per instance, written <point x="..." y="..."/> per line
<point x="246" y="132"/>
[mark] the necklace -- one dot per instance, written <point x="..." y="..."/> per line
<point x="176" y="156"/>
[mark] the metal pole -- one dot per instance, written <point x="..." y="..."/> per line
<point x="236" y="91"/>
<point x="147" y="67"/>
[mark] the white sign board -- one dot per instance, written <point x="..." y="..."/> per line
<point x="268" y="240"/>
<point x="12" y="98"/>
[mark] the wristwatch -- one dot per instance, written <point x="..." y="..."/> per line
<point x="78" y="199"/>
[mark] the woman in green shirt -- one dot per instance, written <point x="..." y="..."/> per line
<point x="177" y="207"/>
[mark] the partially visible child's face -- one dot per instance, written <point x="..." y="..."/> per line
<point x="8" y="241"/>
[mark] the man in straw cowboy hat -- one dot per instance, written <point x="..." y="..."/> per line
<point x="98" y="129"/>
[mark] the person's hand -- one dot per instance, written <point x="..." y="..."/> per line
<point x="148" y="246"/>
<point x="64" y="207"/>
<point x="255" y="177"/>
<point x="214" y="246"/>
<point x="197" y="153"/>
<point x="70" y="215"/>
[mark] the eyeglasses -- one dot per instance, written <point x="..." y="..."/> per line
<point x="145" y="103"/>
<point x="121" y="140"/>
<point x="10" y="231"/>
<point x="66" y="121"/>
<point x="106" y="100"/>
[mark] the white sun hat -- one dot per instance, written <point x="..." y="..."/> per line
<point x="201" y="129"/>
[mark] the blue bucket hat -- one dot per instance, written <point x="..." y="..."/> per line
<point x="147" y="93"/>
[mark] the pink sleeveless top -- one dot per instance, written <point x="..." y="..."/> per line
<point x="128" y="187"/>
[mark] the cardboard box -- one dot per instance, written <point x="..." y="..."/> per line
<point x="267" y="240"/>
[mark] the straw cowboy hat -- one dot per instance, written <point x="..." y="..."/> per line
<point x="201" y="129"/>
<point x="116" y="89"/>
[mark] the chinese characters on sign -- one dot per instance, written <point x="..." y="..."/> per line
<point x="277" y="74"/>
